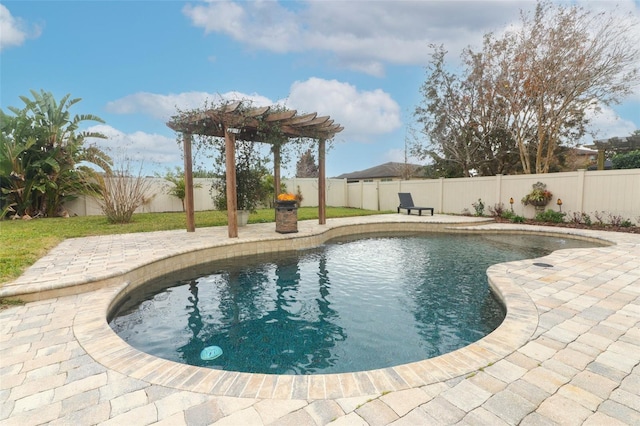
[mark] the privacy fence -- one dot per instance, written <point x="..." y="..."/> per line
<point x="614" y="192"/>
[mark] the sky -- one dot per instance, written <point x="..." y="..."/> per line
<point x="135" y="63"/>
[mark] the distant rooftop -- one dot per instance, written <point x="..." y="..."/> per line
<point x="386" y="170"/>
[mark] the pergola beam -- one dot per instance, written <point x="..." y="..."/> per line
<point x="298" y="120"/>
<point x="281" y="115"/>
<point x="316" y="121"/>
<point x="257" y="112"/>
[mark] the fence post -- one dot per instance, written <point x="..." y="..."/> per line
<point x="580" y="189"/>
<point x="441" y="196"/>
<point x="498" y="188"/>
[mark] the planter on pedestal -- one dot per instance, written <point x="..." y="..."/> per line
<point x="286" y="217"/>
<point x="539" y="205"/>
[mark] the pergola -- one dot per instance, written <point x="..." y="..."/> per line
<point x="616" y="145"/>
<point x="236" y="121"/>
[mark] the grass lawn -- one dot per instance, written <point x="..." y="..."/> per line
<point x="24" y="242"/>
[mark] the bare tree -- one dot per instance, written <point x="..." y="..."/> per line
<point x="306" y="167"/>
<point x="561" y="63"/>
<point x="446" y="117"/>
<point x="531" y="89"/>
<point x="123" y="191"/>
<point x="463" y="119"/>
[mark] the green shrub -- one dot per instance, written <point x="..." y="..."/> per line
<point x="479" y="207"/>
<point x="517" y="219"/>
<point x="629" y="160"/>
<point x="550" y="216"/>
<point x="507" y="214"/>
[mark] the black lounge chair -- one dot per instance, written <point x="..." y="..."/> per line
<point x="406" y="202"/>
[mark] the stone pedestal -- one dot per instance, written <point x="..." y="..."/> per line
<point x="286" y="217"/>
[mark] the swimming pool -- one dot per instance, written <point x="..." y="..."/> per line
<point x="350" y="305"/>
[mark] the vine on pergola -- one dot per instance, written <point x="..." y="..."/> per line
<point x="274" y="125"/>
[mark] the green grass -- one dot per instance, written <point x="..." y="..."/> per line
<point x="24" y="242"/>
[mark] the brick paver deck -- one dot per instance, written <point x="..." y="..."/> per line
<point x="567" y="353"/>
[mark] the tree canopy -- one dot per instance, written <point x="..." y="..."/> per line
<point x="528" y="91"/>
<point x="306" y="167"/>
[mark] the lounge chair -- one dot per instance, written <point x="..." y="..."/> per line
<point x="406" y="202"/>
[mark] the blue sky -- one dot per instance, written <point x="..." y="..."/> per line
<point x="362" y="63"/>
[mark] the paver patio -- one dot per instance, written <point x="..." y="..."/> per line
<point x="568" y="352"/>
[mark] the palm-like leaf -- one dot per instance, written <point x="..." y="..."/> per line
<point x="43" y="144"/>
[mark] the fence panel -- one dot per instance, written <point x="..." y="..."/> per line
<point x="459" y="194"/>
<point x="615" y="192"/>
<point x="388" y="193"/>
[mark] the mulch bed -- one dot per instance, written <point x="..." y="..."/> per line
<point x="594" y="227"/>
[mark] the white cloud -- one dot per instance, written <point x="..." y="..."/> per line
<point x="138" y="146"/>
<point x="607" y="124"/>
<point x="367" y="35"/>
<point x="165" y="106"/>
<point x="260" y="24"/>
<point x="363" y="114"/>
<point x="14" y="30"/>
<point x="362" y="36"/>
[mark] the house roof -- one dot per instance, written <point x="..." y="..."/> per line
<point x="390" y="169"/>
<point x="581" y="150"/>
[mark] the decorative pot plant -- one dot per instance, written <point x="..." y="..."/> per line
<point x="539" y="195"/>
<point x="286" y="199"/>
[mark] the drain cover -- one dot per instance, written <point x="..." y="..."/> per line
<point x="543" y="265"/>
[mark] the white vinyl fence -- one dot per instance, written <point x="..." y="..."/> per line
<point x="613" y="192"/>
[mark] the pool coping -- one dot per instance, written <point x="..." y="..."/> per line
<point x="101" y="343"/>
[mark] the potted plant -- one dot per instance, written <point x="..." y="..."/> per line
<point x="539" y="195"/>
<point x="251" y="174"/>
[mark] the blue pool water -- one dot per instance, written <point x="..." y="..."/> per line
<point x="349" y="305"/>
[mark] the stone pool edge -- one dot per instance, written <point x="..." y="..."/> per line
<point x="97" y="338"/>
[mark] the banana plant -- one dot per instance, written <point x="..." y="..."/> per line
<point x="43" y="155"/>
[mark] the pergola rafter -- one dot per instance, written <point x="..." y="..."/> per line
<point x="271" y="125"/>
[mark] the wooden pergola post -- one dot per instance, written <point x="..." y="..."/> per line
<point x="276" y="169"/>
<point x="188" y="183"/>
<point x="232" y="198"/>
<point x="322" y="193"/>
<point x="601" y="159"/>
